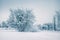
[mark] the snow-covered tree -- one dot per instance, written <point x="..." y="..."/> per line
<point x="22" y="20"/>
<point x="0" y="25"/>
<point x="4" y="24"/>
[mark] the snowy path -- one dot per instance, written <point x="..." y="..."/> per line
<point x="29" y="35"/>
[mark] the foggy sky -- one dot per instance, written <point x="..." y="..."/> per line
<point x="44" y="10"/>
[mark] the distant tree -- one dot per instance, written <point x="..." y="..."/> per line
<point x="22" y="20"/>
<point x="0" y="25"/>
<point x="39" y="26"/>
<point x="57" y="21"/>
<point x="4" y="25"/>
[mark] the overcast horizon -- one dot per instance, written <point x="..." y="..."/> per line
<point x="44" y="10"/>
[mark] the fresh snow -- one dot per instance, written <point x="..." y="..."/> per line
<point x="43" y="35"/>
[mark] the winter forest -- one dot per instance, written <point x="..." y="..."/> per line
<point x="30" y="18"/>
<point x="23" y="21"/>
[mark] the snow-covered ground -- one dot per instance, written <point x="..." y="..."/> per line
<point x="7" y="30"/>
<point x="43" y="35"/>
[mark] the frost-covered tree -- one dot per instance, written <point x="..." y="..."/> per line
<point x="22" y="20"/>
<point x="57" y="21"/>
<point x="0" y="25"/>
<point x="4" y="25"/>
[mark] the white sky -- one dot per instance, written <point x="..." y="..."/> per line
<point x="43" y="9"/>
